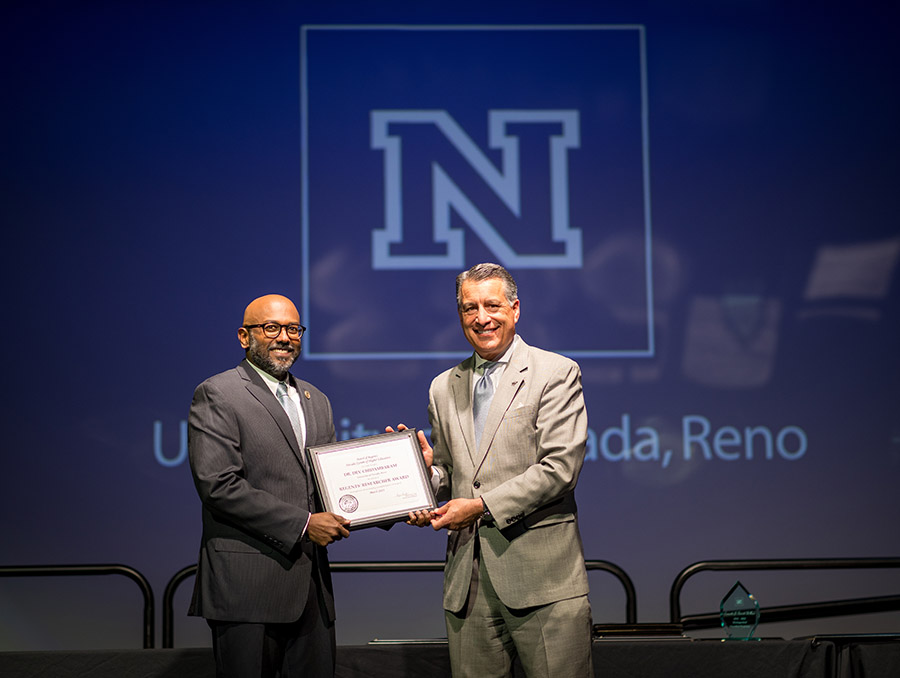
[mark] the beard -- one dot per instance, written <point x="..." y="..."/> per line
<point x="260" y="355"/>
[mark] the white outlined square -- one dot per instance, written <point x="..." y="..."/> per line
<point x="350" y="73"/>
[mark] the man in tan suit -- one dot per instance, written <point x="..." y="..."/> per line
<point x="514" y="581"/>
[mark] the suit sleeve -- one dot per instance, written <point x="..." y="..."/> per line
<point x="560" y="436"/>
<point x="220" y="474"/>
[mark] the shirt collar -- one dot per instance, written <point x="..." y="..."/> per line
<point x="271" y="381"/>
<point x="479" y="361"/>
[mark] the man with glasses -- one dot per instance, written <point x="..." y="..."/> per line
<point x="263" y="582"/>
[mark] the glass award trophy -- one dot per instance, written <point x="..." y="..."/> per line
<point x="739" y="612"/>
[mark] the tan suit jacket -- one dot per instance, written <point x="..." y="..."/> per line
<point x="531" y="453"/>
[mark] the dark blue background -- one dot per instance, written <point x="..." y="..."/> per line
<point x="151" y="182"/>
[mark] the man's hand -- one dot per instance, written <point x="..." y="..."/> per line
<point x="420" y="518"/>
<point x="457" y="514"/>
<point x="325" y="528"/>
<point x="427" y="452"/>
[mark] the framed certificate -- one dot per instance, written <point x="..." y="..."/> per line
<point x="374" y="480"/>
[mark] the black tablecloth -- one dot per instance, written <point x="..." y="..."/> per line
<point x="612" y="659"/>
<point x="870" y="659"/>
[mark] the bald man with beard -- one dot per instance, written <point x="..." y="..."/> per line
<point x="263" y="582"/>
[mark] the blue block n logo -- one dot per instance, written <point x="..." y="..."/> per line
<point x="505" y="183"/>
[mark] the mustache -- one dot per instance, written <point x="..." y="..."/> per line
<point x="282" y="345"/>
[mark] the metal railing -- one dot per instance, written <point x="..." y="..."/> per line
<point x="687" y="622"/>
<point x="91" y="570"/>
<point x="168" y="616"/>
<point x="782" y="613"/>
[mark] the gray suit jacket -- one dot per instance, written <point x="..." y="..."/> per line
<point x="525" y="469"/>
<point x="256" y="497"/>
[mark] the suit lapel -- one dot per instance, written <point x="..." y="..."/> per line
<point x="258" y="389"/>
<point x="461" y="384"/>
<point x="310" y="421"/>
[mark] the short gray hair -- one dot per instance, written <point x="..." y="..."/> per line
<point x="487" y="271"/>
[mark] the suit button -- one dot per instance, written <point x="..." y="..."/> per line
<point x="476" y="484"/>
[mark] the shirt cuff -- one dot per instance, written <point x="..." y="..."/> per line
<point x="435" y="479"/>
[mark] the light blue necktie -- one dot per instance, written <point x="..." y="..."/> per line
<point x="285" y="399"/>
<point x="481" y="403"/>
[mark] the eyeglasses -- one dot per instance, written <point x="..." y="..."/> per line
<point x="273" y="330"/>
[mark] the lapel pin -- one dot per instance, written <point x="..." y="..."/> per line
<point x="306" y="393"/>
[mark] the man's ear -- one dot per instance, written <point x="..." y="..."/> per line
<point x="244" y="337"/>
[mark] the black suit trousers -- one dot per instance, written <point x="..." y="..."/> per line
<point x="305" y="648"/>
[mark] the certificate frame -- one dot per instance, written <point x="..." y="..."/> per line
<point x="374" y="480"/>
